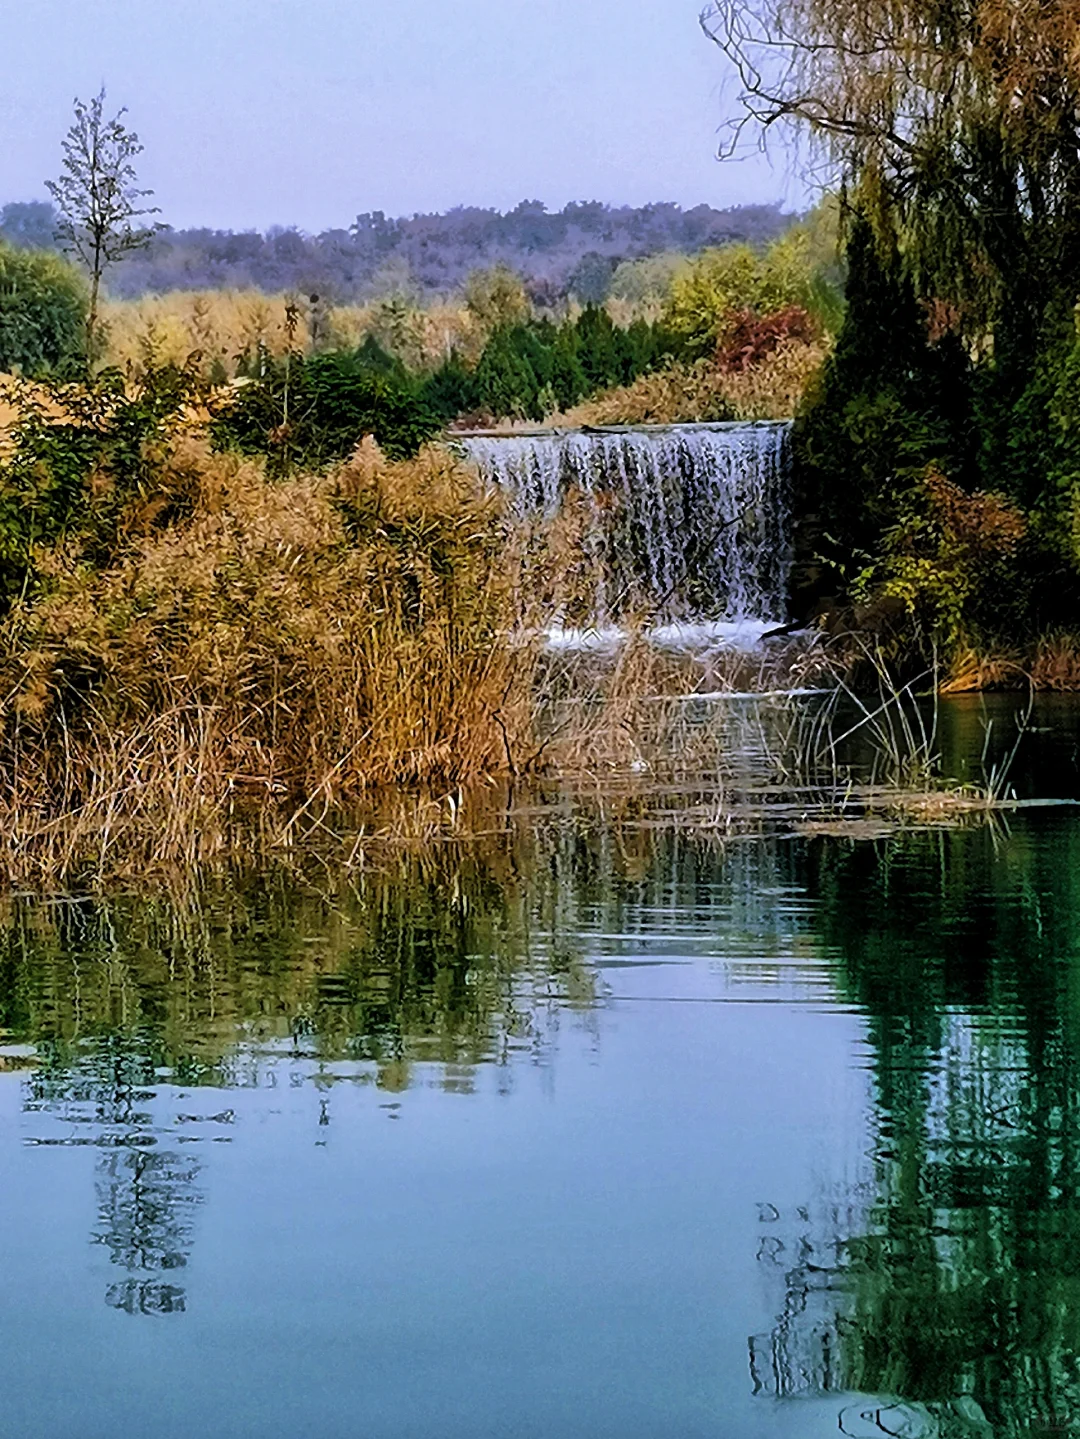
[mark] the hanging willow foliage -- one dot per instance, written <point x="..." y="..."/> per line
<point x="957" y="121"/>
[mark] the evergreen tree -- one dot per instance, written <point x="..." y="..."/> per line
<point x="451" y="390"/>
<point x="599" y="349"/>
<point x="567" y="372"/>
<point x="371" y="355"/>
<point x="506" y="384"/>
<point x="888" y="404"/>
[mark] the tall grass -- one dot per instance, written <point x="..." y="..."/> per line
<point x="771" y="389"/>
<point x="275" y="650"/>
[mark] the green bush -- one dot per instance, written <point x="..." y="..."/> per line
<point x="43" y="307"/>
<point x="451" y="390"/>
<point x="528" y="371"/>
<point x="311" y="412"/>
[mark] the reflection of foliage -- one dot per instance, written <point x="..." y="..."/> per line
<point x="105" y="1092"/>
<point x="127" y="998"/>
<point x="145" y="1197"/>
<point x="953" y="1281"/>
<point x="427" y="960"/>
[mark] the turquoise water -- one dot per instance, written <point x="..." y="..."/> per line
<point x="578" y="1131"/>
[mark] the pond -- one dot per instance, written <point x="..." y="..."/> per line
<point x="581" y="1129"/>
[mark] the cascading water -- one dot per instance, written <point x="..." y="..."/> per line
<point x="685" y="523"/>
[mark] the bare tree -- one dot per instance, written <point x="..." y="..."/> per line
<point x="98" y="198"/>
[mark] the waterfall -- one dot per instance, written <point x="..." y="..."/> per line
<point x="685" y="522"/>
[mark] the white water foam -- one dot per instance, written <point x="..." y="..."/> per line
<point x="690" y="638"/>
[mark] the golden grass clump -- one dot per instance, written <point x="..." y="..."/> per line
<point x="1056" y="662"/>
<point x="1051" y="663"/>
<point x="771" y="389"/>
<point x="279" y="648"/>
<point x="971" y="671"/>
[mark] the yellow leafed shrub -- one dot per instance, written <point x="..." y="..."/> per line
<point x="221" y="326"/>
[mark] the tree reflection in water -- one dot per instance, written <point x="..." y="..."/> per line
<point x="949" y="1280"/>
<point x="104" y="1095"/>
<point x="135" y="1006"/>
<point x="944" y="1284"/>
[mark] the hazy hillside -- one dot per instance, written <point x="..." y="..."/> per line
<point x="574" y="249"/>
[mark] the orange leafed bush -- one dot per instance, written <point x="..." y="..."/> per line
<point x="751" y="337"/>
<point x="980" y="523"/>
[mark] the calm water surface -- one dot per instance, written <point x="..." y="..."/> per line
<point x="582" y="1132"/>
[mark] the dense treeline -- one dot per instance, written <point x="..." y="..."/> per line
<point x="573" y="251"/>
<point x="941" y="455"/>
<point x="533" y="369"/>
<point x="316" y="377"/>
<point x="314" y="409"/>
<point x="726" y="319"/>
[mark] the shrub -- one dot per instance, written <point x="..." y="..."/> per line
<point x="311" y="412"/>
<point x="43" y="309"/>
<point x="648" y="282"/>
<point x="718" y="282"/>
<point x="496" y="298"/>
<point x="950" y="561"/>
<point x="772" y="388"/>
<point x="507" y="384"/>
<point x="451" y="390"/>
<point x="750" y="337"/>
<point x="723" y="284"/>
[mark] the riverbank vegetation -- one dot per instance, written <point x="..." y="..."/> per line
<point x="188" y="640"/>
<point x="208" y="648"/>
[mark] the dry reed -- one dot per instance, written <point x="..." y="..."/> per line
<point x="772" y="389"/>
<point x="1051" y="662"/>
<point x="277" y="652"/>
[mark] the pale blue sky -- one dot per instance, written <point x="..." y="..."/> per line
<point x="256" y="112"/>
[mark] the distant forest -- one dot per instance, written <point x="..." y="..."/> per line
<point x="572" y="251"/>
